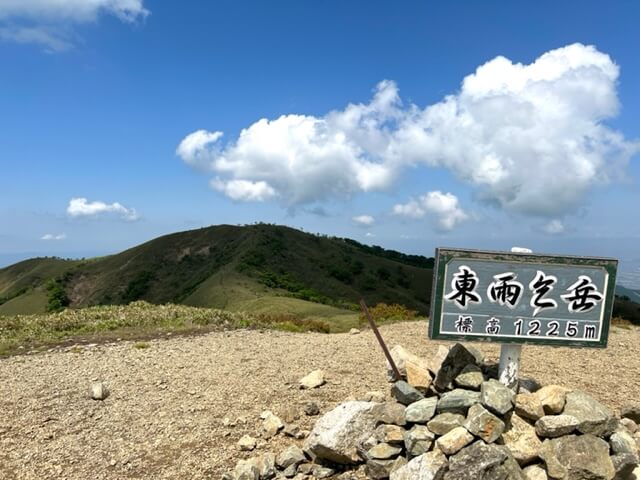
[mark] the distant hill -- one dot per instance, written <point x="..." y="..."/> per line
<point x="255" y="268"/>
<point x="22" y="285"/>
<point x="632" y="295"/>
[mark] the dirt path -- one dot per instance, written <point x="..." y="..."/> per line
<point x="164" y="417"/>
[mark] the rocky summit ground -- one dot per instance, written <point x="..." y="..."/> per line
<point x="178" y="407"/>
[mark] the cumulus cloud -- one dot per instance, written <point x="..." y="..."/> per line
<point x="364" y="220"/>
<point x="553" y="227"/>
<point x="81" y="207"/>
<point x="48" y="23"/>
<point x="530" y="139"/>
<point x="244" y="190"/>
<point x="51" y="236"/>
<point x="199" y="148"/>
<point x="443" y="208"/>
<point x="305" y="159"/>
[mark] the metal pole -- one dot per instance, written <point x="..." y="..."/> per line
<point x="510" y="354"/>
<point x="365" y="310"/>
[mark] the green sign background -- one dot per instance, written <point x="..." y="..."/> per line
<point x="524" y="265"/>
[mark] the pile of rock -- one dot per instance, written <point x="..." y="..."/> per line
<point x="452" y="420"/>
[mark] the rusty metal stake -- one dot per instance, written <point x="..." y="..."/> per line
<point x="365" y="310"/>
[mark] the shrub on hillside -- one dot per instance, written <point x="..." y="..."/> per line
<point x="383" y="312"/>
<point x="57" y="299"/>
<point x="292" y="323"/>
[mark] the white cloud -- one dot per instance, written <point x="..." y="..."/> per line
<point x="369" y="235"/>
<point x="80" y="11"/>
<point x="51" y="39"/>
<point x="81" y="207"/>
<point x="244" y="190"/>
<point x="442" y="208"/>
<point x="48" y="22"/>
<point x="528" y="138"/>
<point x="51" y="236"/>
<point x="304" y="158"/>
<point x="364" y="220"/>
<point x="554" y="227"/>
<point x="198" y="149"/>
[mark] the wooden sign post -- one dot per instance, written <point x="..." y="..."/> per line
<point x="518" y="298"/>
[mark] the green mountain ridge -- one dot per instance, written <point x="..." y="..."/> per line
<point x="256" y="267"/>
<point x="633" y="295"/>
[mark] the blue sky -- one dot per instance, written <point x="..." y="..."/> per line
<point x="409" y="125"/>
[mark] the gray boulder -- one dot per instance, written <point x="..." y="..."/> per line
<point x="470" y="377"/>
<point x="445" y="422"/>
<point x="418" y="440"/>
<point x="390" y="413"/>
<point x="552" y="398"/>
<point x="311" y="409"/>
<point x="521" y="440"/>
<point x="552" y="426"/>
<point x="421" y="411"/>
<point x="624" y="464"/>
<point x="579" y="457"/>
<point x="436" y="361"/>
<point x="483" y="424"/>
<point x="622" y="442"/>
<point x="457" y="401"/>
<point x="383" y="451"/>
<point x="529" y="384"/>
<point x="484" y="462"/>
<point x="338" y="433"/>
<point x="405" y="393"/>
<point x="322" y="472"/>
<point x="632" y="412"/>
<point x="457" y="358"/>
<point x="630" y="425"/>
<point x="535" y="472"/>
<point x="528" y="405"/>
<point x="266" y="465"/>
<point x="429" y="466"/>
<point x="400" y="355"/>
<point x="290" y="456"/>
<point x="391" y="434"/>
<point x="454" y="441"/>
<point x="496" y="397"/>
<point x="593" y="417"/>
<point x="246" y="470"/>
<point x="381" y="469"/>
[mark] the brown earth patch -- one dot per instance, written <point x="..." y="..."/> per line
<point x="164" y="418"/>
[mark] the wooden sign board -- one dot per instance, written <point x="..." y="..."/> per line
<point x="522" y="298"/>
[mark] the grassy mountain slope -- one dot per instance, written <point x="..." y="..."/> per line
<point x="22" y="284"/>
<point x="254" y="268"/>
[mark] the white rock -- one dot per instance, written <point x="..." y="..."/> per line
<point x="98" y="391"/>
<point x="425" y="467"/>
<point x="312" y="380"/>
<point x="535" y="472"/>
<point x="454" y="441"/>
<point x="247" y="443"/>
<point x="338" y="433"/>
<point x="272" y="425"/>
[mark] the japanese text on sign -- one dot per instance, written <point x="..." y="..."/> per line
<point x="522" y="298"/>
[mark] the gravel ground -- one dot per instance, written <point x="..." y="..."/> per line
<point x="164" y="418"/>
